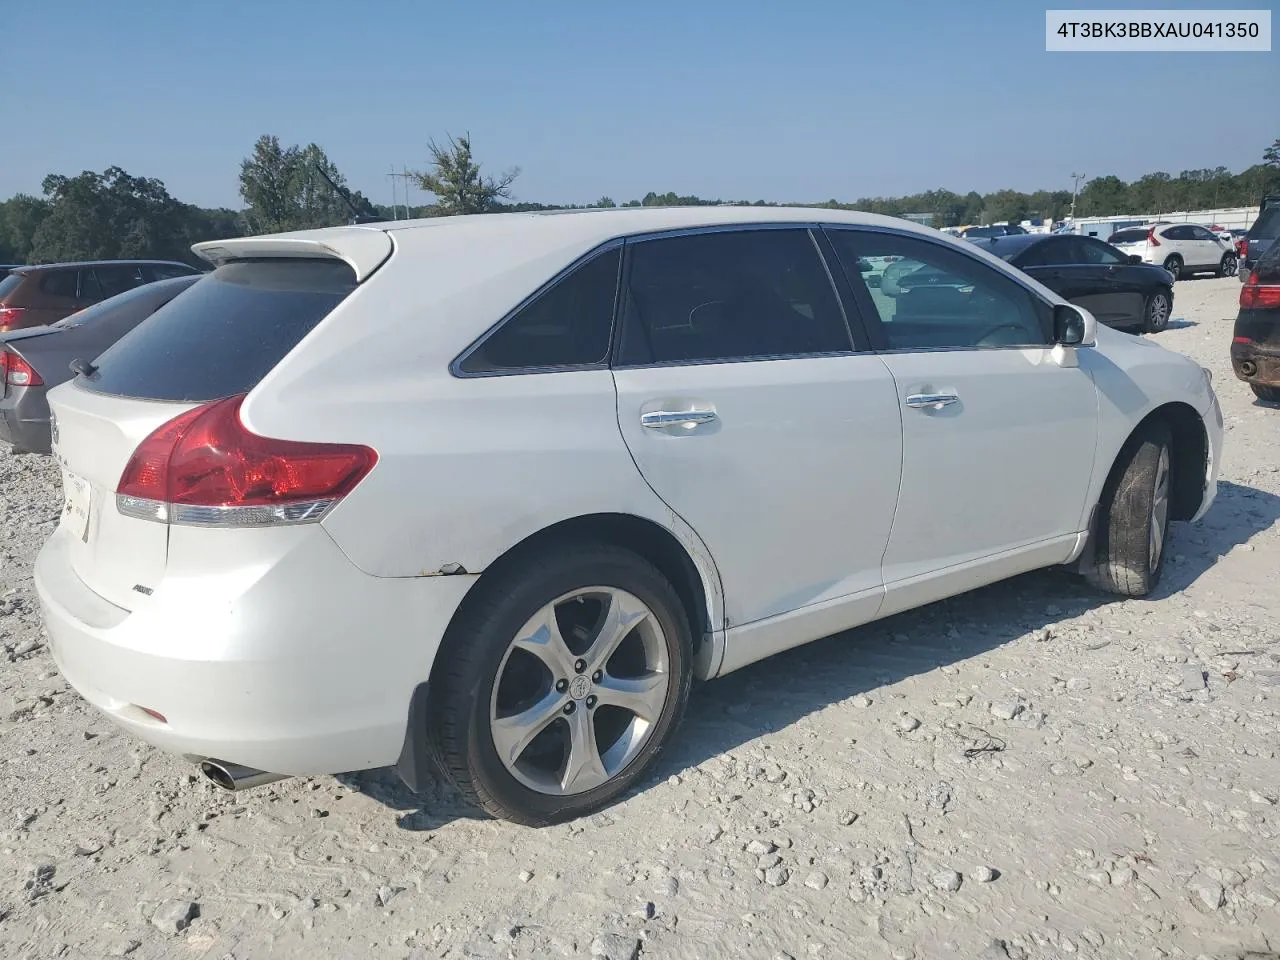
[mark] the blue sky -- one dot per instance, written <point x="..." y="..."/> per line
<point x="744" y="100"/>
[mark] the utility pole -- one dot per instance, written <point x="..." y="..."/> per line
<point x="406" y="176"/>
<point x="395" y="211"/>
<point x="1075" y="192"/>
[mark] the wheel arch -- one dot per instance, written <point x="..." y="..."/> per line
<point x="1190" y="456"/>
<point x="689" y="569"/>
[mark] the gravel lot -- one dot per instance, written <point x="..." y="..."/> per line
<point x="1031" y="770"/>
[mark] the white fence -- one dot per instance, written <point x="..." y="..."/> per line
<point x="1229" y="218"/>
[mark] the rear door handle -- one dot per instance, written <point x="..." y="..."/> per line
<point x="931" y="401"/>
<point x="663" y="419"/>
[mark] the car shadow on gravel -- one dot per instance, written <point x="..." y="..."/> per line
<point x="776" y="693"/>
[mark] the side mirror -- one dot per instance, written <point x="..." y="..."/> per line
<point x="1074" y="327"/>
<point x="1134" y="258"/>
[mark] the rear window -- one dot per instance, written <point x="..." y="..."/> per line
<point x="225" y="333"/>
<point x="981" y="232"/>
<point x="1128" y="236"/>
<point x="1266" y="227"/>
<point x="9" y="284"/>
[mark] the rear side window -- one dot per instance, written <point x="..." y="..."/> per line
<point x="225" y="333"/>
<point x="754" y="294"/>
<point x="59" y="283"/>
<point x="567" y="325"/>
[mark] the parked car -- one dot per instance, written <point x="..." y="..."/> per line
<point x="1255" y="342"/>
<point x="36" y="359"/>
<point x="491" y="491"/>
<point x="992" y="230"/>
<point x="1183" y="249"/>
<point x="36" y="296"/>
<point x="1117" y="288"/>
<point x="1261" y="237"/>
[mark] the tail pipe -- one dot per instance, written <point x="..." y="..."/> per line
<point x="1248" y="368"/>
<point x="233" y="777"/>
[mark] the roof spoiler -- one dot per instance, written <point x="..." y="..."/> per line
<point x="364" y="249"/>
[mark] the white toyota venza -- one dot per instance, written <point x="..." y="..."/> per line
<point x="488" y="493"/>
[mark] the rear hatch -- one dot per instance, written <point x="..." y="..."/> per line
<point x="1131" y="241"/>
<point x="217" y="340"/>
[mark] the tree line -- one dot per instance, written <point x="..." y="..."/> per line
<point x="112" y="214"/>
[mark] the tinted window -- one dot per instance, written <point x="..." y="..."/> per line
<point x="566" y="325"/>
<point x="936" y="297"/>
<point x="1129" y="236"/>
<point x="140" y="301"/>
<point x="1046" y="253"/>
<point x="59" y="283"/>
<point x="1095" y="251"/>
<point x="1179" y="233"/>
<point x="164" y="271"/>
<point x="1267" y="226"/>
<point x="225" y="333"/>
<point x="727" y="296"/>
<point x="117" y="279"/>
<point x="981" y="232"/>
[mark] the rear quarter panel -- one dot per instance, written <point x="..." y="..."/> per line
<point x="468" y="467"/>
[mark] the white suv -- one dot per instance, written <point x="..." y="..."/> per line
<point x="492" y="491"/>
<point x="1181" y="248"/>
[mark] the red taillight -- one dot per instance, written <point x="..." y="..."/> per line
<point x="1151" y="237"/>
<point x="204" y="467"/>
<point x="9" y="317"/>
<point x="1258" y="296"/>
<point x="17" y="372"/>
<point x="1241" y="340"/>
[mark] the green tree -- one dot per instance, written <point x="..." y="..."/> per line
<point x="109" y="215"/>
<point x="20" y="217"/>
<point x="284" y="188"/>
<point x="457" y="182"/>
<point x="1271" y="155"/>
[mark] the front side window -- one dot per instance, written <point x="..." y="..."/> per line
<point x="937" y="298"/>
<point x="1097" y="252"/>
<point x="567" y="325"/>
<point x="117" y="279"/>
<point x="59" y="283"/>
<point x="729" y="295"/>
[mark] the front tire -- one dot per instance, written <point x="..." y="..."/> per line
<point x="1133" y="523"/>
<point x="1173" y="263"/>
<point x="1155" y="312"/>
<point x="561" y="683"/>
<point x="1229" y="265"/>
<point x="1265" y="393"/>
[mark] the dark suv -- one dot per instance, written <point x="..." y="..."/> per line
<point x="37" y="296"/>
<point x="1255" y="342"/>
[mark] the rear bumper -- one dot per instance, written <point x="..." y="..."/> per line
<point x="1214" y="430"/>
<point x="304" y="667"/>
<point x="24" y="424"/>
<point x="1256" y="364"/>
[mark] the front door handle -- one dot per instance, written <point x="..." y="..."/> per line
<point x="931" y="401"/>
<point x="663" y="419"/>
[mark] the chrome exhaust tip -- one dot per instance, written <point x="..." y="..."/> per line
<point x="233" y="777"/>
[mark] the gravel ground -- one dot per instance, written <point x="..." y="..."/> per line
<point x="1031" y="770"/>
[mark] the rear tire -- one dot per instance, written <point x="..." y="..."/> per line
<point x="1133" y="522"/>
<point x="1264" y="393"/>
<point x="1173" y="263"/>
<point x="502" y="675"/>
<point x="1155" y="312"/>
<point x="1229" y="266"/>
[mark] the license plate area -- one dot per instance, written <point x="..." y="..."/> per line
<point x="77" y="502"/>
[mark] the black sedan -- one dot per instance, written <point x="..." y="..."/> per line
<point x="35" y="359"/>
<point x="1119" y="290"/>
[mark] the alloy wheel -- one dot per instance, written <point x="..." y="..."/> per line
<point x="1158" y="312"/>
<point x="579" y="691"/>
<point x="1159" y="510"/>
